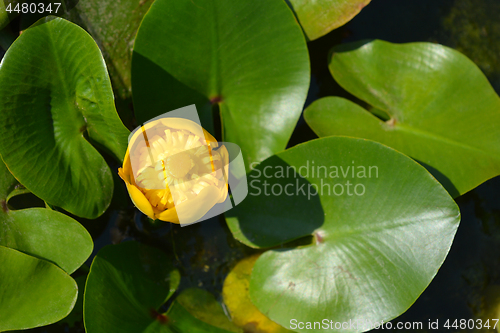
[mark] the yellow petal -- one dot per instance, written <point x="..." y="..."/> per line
<point x="122" y="174"/>
<point x="225" y="165"/>
<point x="154" y="196"/>
<point x="140" y="201"/>
<point x="210" y="139"/>
<point x="169" y="215"/>
<point x="223" y="195"/>
<point x="125" y="172"/>
<point x="183" y="124"/>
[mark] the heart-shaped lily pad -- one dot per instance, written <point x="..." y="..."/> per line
<point x="33" y="292"/>
<point x="126" y="287"/>
<point x="319" y="17"/>
<point x="443" y="111"/>
<point x="248" y="57"/>
<point x="381" y="226"/>
<point x="55" y="97"/>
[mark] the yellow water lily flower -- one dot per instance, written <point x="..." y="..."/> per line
<point x="174" y="170"/>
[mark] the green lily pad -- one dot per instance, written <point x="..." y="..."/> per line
<point x="4" y="17"/>
<point x="180" y="320"/>
<point x="7" y="184"/>
<point x="249" y="58"/>
<point x="76" y="315"/>
<point x="56" y="98"/>
<point x="318" y="18"/>
<point x="202" y="305"/>
<point x="46" y="234"/>
<point x="33" y="292"/>
<point x="126" y="287"/>
<point x="381" y="226"/>
<point x="41" y="232"/>
<point x="443" y="111"/>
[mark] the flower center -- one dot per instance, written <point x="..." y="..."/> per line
<point x="175" y="166"/>
<point x="179" y="165"/>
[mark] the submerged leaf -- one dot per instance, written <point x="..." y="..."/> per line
<point x="237" y="299"/>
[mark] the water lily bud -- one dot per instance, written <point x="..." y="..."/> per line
<point x="174" y="170"/>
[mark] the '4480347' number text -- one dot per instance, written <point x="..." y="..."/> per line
<point x="33" y="8"/>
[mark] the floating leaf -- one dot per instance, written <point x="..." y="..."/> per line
<point x="181" y="321"/>
<point x="46" y="234"/>
<point x="203" y="306"/>
<point x="4" y="17"/>
<point x="444" y="113"/>
<point x="381" y="226"/>
<point x="250" y="58"/>
<point x="7" y="184"/>
<point x="318" y="18"/>
<point x="125" y="288"/>
<point x="76" y="314"/>
<point x="237" y="300"/>
<point x="33" y="292"/>
<point x="41" y="232"/>
<point x="54" y="93"/>
<point x="127" y="285"/>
